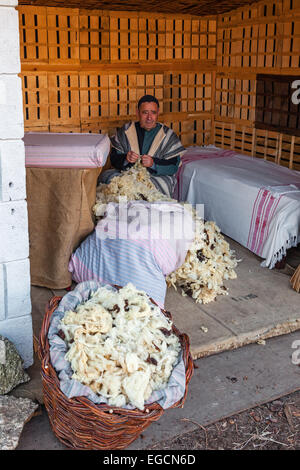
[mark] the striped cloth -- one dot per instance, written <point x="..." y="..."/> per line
<point x="65" y="150"/>
<point x="263" y="210"/>
<point x="72" y="388"/>
<point x="165" y="146"/>
<point x="269" y="207"/>
<point x="118" y="262"/>
<point x="138" y="242"/>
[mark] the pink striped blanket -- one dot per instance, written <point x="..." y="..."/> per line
<point x="253" y="201"/>
<point x="65" y="150"/>
<point x="137" y="242"/>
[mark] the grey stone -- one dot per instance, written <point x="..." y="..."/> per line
<point x="11" y="367"/>
<point x="18" y="330"/>
<point x="14" y="413"/>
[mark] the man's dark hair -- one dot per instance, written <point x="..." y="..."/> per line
<point x="148" y="99"/>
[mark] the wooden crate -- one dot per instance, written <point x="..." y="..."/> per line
<point x="93" y="97"/>
<point x="187" y="92"/>
<point x="272" y="146"/>
<point x="152" y="37"/>
<point x="235" y="98"/>
<point x="33" y="35"/>
<point x="35" y="101"/>
<point x="123" y="37"/>
<point x="94" y="36"/>
<point x="64" y="110"/>
<point x="63" y="35"/>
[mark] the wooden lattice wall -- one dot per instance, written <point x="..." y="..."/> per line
<point x="84" y="70"/>
<point x="263" y="38"/>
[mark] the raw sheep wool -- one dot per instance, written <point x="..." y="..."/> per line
<point x="209" y="261"/>
<point x="133" y="184"/>
<point x="120" y="345"/>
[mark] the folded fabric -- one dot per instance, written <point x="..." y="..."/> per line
<point x="276" y="191"/>
<point x="65" y="150"/>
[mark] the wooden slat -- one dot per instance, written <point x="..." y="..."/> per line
<point x="126" y="67"/>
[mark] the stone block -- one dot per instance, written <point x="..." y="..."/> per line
<point x="13" y="231"/>
<point x="11" y="107"/>
<point x="18" y="288"/>
<point x="19" y="332"/>
<point x="9" y="41"/>
<point x="12" y="170"/>
<point x="2" y="296"/>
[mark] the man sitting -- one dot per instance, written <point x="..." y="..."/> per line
<point x="156" y="144"/>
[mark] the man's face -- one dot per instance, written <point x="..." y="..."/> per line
<point x="147" y="115"/>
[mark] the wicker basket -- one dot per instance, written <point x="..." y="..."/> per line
<point x="81" y="424"/>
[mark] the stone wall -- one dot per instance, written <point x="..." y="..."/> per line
<point x="15" y="303"/>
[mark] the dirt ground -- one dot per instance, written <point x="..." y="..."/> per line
<point x="273" y="426"/>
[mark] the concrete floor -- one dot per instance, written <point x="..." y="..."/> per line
<point x="222" y="385"/>
<point x="261" y="304"/>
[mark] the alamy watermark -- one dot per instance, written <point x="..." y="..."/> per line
<point x="296" y="94"/>
<point x="296" y="354"/>
<point x="136" y="220"/>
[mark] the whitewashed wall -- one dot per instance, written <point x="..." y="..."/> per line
<point x="15" y="304"/>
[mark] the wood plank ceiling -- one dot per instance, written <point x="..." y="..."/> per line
<point x="190" y="7"/>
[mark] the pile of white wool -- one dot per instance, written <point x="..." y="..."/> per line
<point x="120" y="345"/>
<point x="209" y="261"/>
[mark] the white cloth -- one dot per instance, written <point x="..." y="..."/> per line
<point x="253" y="201"/>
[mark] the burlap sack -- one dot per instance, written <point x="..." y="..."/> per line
<point x="60" y="216"/>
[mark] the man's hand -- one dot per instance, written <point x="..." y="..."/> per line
<point x="132" y="157"/>
<point x="147" y="161"/>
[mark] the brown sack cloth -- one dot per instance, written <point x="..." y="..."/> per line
<point x="60" y="216"/>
